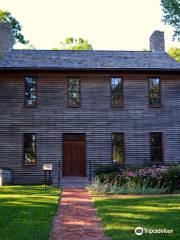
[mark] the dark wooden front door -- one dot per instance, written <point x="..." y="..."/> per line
<point x="74" y="155"/>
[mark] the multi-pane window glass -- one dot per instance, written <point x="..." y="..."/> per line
<point x="116" y="92"/>
<point x="154" y="92"/>
<point x="29" y="148"/>
<point x="73" y="92"/>
<point x="156" y="147"/>
<point x="118" y="147"/>
<point x="30" y="91"/>
<point x="72" y="136"/>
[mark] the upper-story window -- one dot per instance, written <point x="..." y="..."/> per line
<point x="118" y="147"/>
<point x="154" y="92"/>
<point x="29" y="148"/>
<point x="116" y="92"/>
<point x="73" y="92"/>
<point x="156" y="147"/>
<point x="30" y="94"/>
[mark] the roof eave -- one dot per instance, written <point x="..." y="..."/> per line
<point x="91" y="69"/>
<point x="125" y="70"/>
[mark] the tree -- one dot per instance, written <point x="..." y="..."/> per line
<point x="171" y="9"/>
<point x="29" y="46"/>
<point x="175" y="53"/>
<point x="7" y="17"/>
<point x="71" y="43"/>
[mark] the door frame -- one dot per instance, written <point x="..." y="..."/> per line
<point x="62" y="149"/>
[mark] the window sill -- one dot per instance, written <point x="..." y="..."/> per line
<point x="74" y="106"/>
<point x="155" y="106"/>
<point x="157" y="163"/>
<point x="118" y="163"/>
<point x="29" y="164"/>
<point x="30" y="106"/>
<point x="122" y="106"/>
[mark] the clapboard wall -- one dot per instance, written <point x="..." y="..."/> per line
<point x="51" y="118"/>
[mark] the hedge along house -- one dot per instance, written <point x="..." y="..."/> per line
<point x="77" y="109"/>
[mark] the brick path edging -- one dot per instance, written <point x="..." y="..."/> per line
<point x="120" y="196"/>
<point x="76" y="218"/>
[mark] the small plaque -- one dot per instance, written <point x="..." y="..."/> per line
<point x="47" y="167"/>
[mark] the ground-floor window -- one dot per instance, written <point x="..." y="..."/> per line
<point x="73" y="142"/>
<point x="29" y="148"/>
<point x="156" y="147"/>
<point x="118" y="147"/>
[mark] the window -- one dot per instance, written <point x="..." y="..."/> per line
<point x="29" y="148"/>
<point x="73" y="92"/>
<point x="156" y="147"/>
<point x="118" y="147"/>
<point x="30" y="91"/>
<point x="116" y="92"/>
<point x="154" y="92"/>
<point x="74" y="136"/>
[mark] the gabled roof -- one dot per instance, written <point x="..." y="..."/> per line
<point x="88" y="60"/>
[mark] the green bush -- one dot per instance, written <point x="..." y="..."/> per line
<point x="106" y="169"/>
<point x="172" y="179"/>
<point x="97" y="187"/>
<point x="110" y="178"/>
<point x="139" y="178"/>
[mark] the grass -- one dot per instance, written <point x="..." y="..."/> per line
<point x="121" y="216"/>
<point x="26" y="212"/>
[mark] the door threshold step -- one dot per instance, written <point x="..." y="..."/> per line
<point x="73" y="182"/>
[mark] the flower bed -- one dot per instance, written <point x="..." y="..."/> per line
<point x="162" y="179"/>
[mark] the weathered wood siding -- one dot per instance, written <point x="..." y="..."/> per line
<point x="51" y="118"/>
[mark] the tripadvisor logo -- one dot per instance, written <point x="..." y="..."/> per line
<point x="140" y="231"/>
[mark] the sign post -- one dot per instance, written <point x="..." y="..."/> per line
<point x="47" y="168"/>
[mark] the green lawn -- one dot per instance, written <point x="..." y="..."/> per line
<point x="26" y="212"/>
<point x="121" y="216"/>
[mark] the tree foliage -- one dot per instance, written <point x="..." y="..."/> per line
<point x="175" y="53"/>
<point x="71" y="43"/>
<point x="7" y="17"/>
<point x="29" y="46"/>
<point x="171" y="9"/>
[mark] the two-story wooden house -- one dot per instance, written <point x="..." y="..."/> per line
<point x="77" y="109"/>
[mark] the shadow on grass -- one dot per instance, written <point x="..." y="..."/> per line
<point x="120" y="217"/>
<point x="26" y="212"/>
<point x="28" y="190"/>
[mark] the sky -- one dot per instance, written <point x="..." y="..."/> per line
<point x="106" y="24"/>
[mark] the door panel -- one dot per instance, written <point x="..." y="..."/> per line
<point x="74" y="157"/>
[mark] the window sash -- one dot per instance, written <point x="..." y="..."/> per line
<point x="29" y="149"/>
<point x="156" y="147"/>
<point x="73" y="136"/>
<point x="116" y="92"/>
<point x="154" y="92"/>
<point x="73" y="92"/>
<point x="118" y="147"/>
<point x="30" y="93"/>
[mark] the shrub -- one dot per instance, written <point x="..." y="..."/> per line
<point x="172" y="179"/>
<point x="142" y="179"/>
<point x="106" y="169"/>
<point x="151" y="176"/>
<point x="97" y="187"/>
<point x="110" y="178"/>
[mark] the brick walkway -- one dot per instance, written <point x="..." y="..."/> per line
<point x="76" y="218"/>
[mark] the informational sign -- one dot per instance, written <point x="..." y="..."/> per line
<point x="47" y="167"/>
